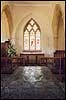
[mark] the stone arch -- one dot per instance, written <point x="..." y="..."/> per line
<point x="6" y="10"/>
<point x="19" y="29"/>
<point x="58" y="27"/>
<point x="4" y="28"/>
<point x="25" y="19"/>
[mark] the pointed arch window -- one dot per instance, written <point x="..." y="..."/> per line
<point x="32" y="36"/>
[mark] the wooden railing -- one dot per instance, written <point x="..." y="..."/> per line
<point x="57" y="63"/>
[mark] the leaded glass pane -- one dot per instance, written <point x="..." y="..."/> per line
<point x="26" y="33"/>
<point x="38" y="40"/>
<point x="32" y="41"/>
<point x="26" y="41"/>
<point x="35" y="27"/>
<point x="32" y="33"/>
<point x="29" y="27"/>
<point x="31" y="22"/>
<point x="37" y="33"/>
<point x="37" y="43"/>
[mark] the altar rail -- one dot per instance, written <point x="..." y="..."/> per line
<point x="56" y="64"/>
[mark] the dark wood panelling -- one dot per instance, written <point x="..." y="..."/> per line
<point x="6" y="62"/>
<point x="59" y="53"/>
<point x="32" y="59"/>
<point x="4" y="47"/>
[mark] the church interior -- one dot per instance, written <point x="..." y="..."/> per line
<point x="33" y="49"/>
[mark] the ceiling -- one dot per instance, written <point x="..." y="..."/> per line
<point x="34" y="2"/>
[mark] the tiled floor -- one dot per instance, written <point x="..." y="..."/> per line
<point x="32" y="82"/>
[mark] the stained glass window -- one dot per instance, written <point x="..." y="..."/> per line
<point x="32" y="40"/>
<point x="26" y="40"/>
<point x="38" y="40"/>
<point x="31" y="36"/>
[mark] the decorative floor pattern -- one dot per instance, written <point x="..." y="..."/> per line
<point x="31" y="82"/>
